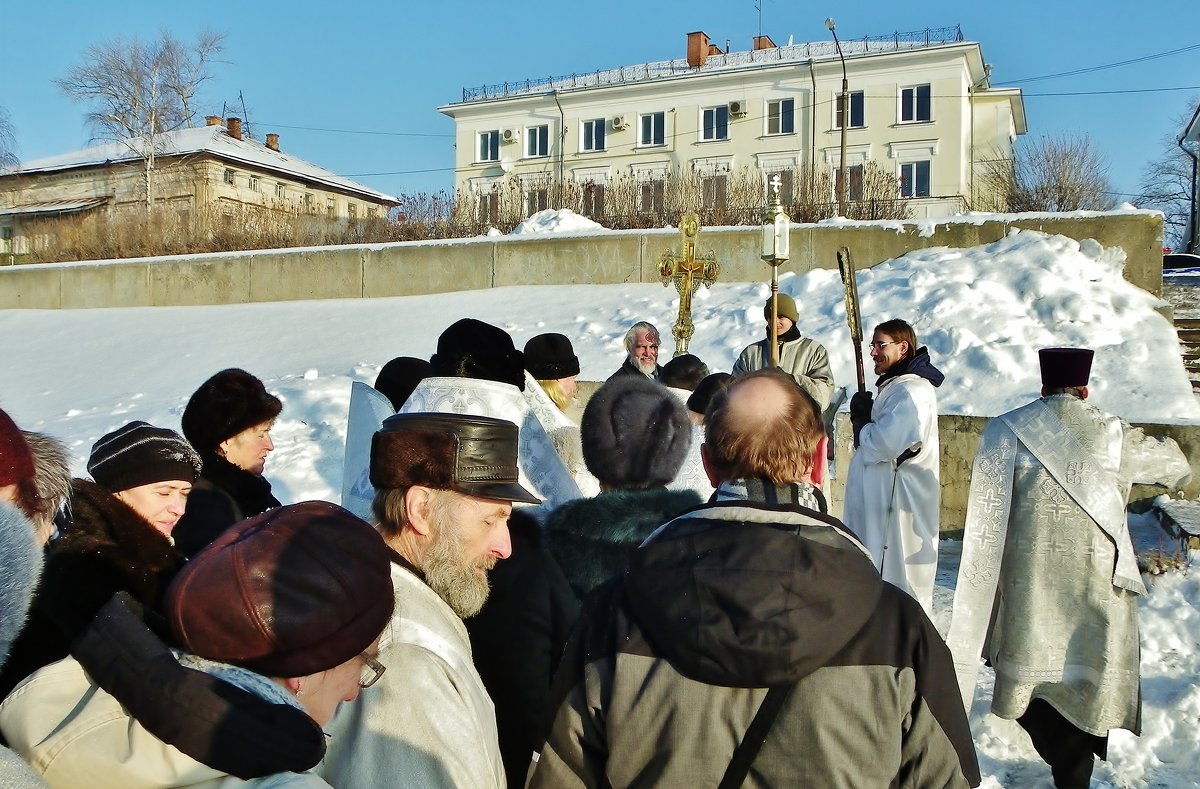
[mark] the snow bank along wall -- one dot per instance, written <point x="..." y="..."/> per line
<point x="415" y="268"/>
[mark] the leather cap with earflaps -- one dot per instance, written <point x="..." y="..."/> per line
<point x="475" y="455"/>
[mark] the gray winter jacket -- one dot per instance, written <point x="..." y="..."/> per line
<point x="802" y="358"/>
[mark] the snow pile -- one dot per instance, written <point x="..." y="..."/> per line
<point x="555" y="221"/>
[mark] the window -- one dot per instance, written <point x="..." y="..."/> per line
<point x="229" y="177"/>
<point x="6" y="233"/>
<point x="308" y="201"/>
<point x="536" y="199"/>
<point x="714" y="190"/>
<point x="715" y="125"/>
<point x="650" y="198"/>
<point x="915" y="105"/>
<point x="592" y="203"/>
<point x="489" y="208"/>
<point x="787" y="180"/>
<point x="329" y="206"/>
<point x="914" y="179"/>
<point x="652" y="129"/>
<point x="279" y="191"/>
<point x="489" y="146"/>
<point x="372" y="211"/>
<point x="855" y="189"/>
<point x="352" y="210"/>
<point x="593" y="135"/>
<point x="254" y="185"/>
<point x="537" y="140"/>
<point x="857" y="111"/>
<point x="781" y="116"/>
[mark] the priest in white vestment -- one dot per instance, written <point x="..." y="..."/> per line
<point x="1048" y="586"/>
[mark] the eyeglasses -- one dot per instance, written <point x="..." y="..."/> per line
<point x="372" y="670"/>
<point x="875" y="346"/>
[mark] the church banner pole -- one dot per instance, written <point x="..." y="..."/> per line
<point x="853" y="316"/>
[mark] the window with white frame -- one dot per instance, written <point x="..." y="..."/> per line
<point x="714" y="190"/>
<point x="652" y="129"/>
<point x="591" y="202"/>
<point x="854" y="190"/>
<point x="488" y="148"/>
<point x="352" y="210"/>
<point x="858" y="114"/>
<point x="781" y="116"/>
<point x="593" y="135"/>
<point x="537" y="141"/>
<point x="714" y="124"/>
<point x="915" y="104"/>
<point x="914" y="179"/>
<point x="537" y="194"/>
<point x="254" y="184"/>
<point x="489" y="208"/>
<point x="229" y="176"/>
<point x="330" y="206"/>
<point x="651" y="195"/>
<point x="280" y="191"/>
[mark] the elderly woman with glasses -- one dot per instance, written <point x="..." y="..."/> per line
<point x="893" y="490"/>
<point x="286" y="608"/>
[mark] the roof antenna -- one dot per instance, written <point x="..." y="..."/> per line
<point x="246" y="115"/>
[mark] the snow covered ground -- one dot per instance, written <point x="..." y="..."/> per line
<point x="983" y="312"/>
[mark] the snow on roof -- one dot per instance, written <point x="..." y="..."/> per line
<point x="52" y="207"/>
<point x="213" y="140"/>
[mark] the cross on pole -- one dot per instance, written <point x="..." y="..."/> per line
<point x="688" y="270"/>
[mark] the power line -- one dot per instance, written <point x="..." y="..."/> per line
<point x="351" y="131"/>
<point x="1091" y="69"/>
<point x="401" y="172"/>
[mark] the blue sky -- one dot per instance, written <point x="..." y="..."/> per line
<point x="372" y="74"/>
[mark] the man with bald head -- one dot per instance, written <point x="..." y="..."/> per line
<point x="754" y="634"/>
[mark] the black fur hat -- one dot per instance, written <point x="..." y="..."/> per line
<point x="684" y="372"/>
<point x="399" y="378"/>
<point x="549" y="357"/>
<point x="635" y="433"/>
<point x="473" y="349"/>
<point x="225" y="405"/>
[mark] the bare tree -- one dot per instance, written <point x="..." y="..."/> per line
<point x="139" y="89"/>
<point x="1050" y="173"/>
<point x="8" y="141"/>
<point x="1167" y="181"/>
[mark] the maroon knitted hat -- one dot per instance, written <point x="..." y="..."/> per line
<point x="289" y="593"/>
<point x="16" y="461"/>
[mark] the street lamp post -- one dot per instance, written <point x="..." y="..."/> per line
<point x="844" y="104"/>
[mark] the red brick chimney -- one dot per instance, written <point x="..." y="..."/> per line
<point x="764" y="42"/>
<point x="697" y="49"/>
<point x="234" y="128"/>
<point x="212" y="120"/>
<point x="273" y="142"/>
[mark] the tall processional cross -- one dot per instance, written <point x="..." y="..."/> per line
<point x="688" y="270"/>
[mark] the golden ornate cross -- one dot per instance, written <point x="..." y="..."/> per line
<point x="688" y="271"/>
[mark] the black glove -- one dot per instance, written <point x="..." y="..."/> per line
<point x="860" y="412"/>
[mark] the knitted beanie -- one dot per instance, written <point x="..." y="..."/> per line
<point x="292" y="592"/>
<point x="225" y="405"/>
<point x="549" y="357"/>
<point x="141" y="454"/>
<point x="473" y="349"/>
<point x="635" y="433"/>
<point x="16" y="461"/>
<point x="400" y="377"/>
<point x="786" y="309"/>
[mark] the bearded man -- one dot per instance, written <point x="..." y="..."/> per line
<point x="445" y="484"/>
<point x="641" y="352"/>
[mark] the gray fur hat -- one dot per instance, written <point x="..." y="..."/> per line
<point x="20" y="568"/>
<point x="635" y="433"/>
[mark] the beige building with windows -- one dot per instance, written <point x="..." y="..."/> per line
<point x="920" y="106"/>
<point x="208" y="166"/>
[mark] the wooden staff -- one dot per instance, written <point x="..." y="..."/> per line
<point x="853" y="317"/>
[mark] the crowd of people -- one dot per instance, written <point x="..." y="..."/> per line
<point x="655" y="596"/>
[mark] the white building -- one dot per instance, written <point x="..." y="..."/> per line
<point x="921" y="106"/>
<point x="1191" y="134"/>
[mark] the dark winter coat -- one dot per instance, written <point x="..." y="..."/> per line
<point x="593" y="539"/>
<point x="224" y="495"/>
<point x="670" y="662"/>
<point x="517" y="640"/>
<point x="629" y="368"/>
<point x="106" y="548"/>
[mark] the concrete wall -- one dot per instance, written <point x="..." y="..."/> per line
<point x="414" y="268"/>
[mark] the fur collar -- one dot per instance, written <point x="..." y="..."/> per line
<point x="19" y="573"/>
<point x="251" y="492"/>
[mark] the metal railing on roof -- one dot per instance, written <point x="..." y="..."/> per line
<point x="913" y="39"/>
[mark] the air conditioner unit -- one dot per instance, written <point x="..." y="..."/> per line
<point x="737" y="108"/>
<point x="510" y="135"/>
<point x="620" y="122"/>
